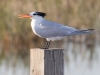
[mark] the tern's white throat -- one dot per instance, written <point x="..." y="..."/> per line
<point x="37" y="18"/>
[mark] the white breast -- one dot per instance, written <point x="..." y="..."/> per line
<point x="35" y="23"/>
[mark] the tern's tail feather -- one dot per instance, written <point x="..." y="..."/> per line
<point x="86" y="31"/>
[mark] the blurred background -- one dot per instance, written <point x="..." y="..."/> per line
<point x="82" y="53"/>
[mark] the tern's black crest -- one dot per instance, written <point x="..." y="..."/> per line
<point x="40" y="14"/>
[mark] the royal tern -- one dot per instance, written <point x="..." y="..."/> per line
<point x="51" y="30"/>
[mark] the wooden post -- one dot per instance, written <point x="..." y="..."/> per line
<point x="47" y="62"/>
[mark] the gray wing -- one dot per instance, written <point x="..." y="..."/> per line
<point x="53" y="29"/>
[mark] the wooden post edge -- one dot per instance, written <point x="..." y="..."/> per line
<point x="47" y="61"/>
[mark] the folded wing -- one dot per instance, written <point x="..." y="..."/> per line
<point x="52" y="29"/>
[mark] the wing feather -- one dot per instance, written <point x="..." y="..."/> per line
<point x="53" y="29"/>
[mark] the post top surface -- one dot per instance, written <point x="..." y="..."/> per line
<point x="46" y="49"/>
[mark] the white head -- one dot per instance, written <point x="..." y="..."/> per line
<point x="32" y="15"/>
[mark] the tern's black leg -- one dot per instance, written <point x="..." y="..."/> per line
<point x="47" y="45"/>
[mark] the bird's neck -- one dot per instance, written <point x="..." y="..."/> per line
<point x="37" y="19"/>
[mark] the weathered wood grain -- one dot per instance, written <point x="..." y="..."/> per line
<point x="46" y="62"/>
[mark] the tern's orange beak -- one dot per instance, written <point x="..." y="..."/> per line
<point x="25" y="16"/>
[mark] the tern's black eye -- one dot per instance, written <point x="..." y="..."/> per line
<point x="34" y="14"/>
